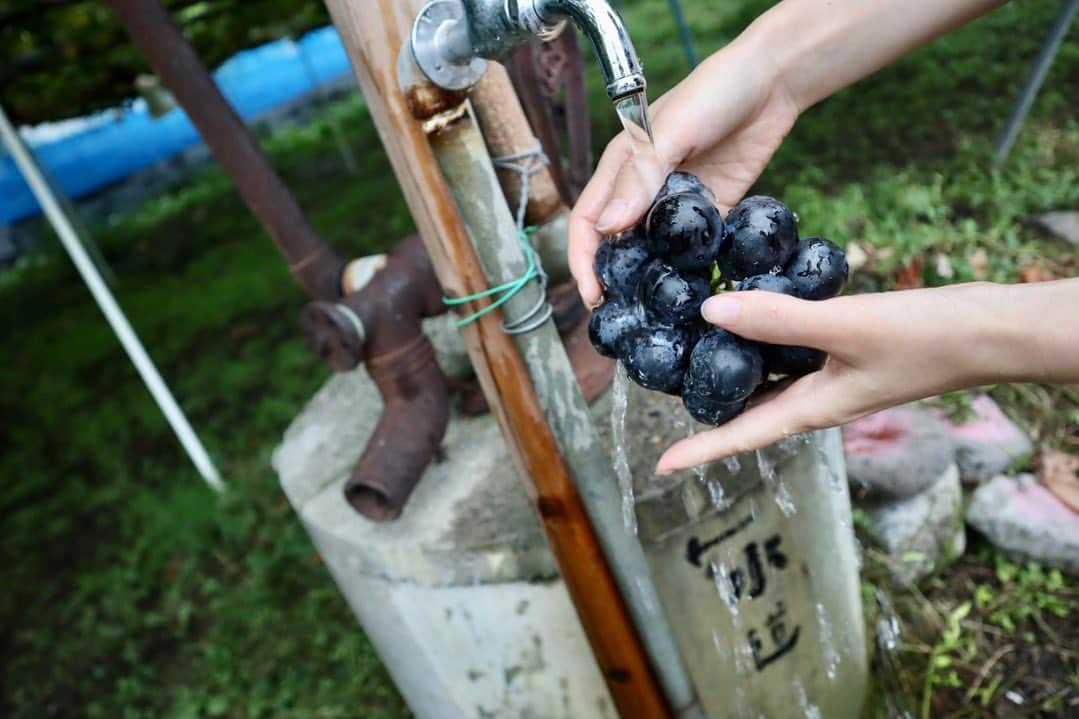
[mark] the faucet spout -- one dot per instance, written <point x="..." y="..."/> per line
<point x="451" y="38"/>
<point x="601" y="24"/>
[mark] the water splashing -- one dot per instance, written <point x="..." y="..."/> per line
<point x="732" y="464"/>
<point x="827" y="644"/>
<point x="717" y="495"/>
<point x="722" y="577"/>
<point x="619" y="401"/>
<point x="744" y="663"/>
<point x="809" y="711"/>
<point x="633" y="112"/>
<point x="888" y="643"/>
<point x="784" y="500"/>
<point x="766" y="468"/>
<point x="721" y="646"/>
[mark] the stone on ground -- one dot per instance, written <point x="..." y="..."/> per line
<point x="989" y="444"/>
<point x="1061" y="224"/>
<point x="920" y="534"/>
<point x="1027" y="522"/>
<point x="895" y="453"/>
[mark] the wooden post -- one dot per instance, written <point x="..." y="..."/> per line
<point x="373" y="33"/>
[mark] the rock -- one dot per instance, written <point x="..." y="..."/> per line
<point x="922" y="533"/>
<point x="896" y="453"/>
<point x="989" y="444"/>
<point x="1062" y="224"/>
<point x="1027" y="522"/>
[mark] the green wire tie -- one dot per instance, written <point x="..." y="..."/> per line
<point x="508" y="289"/>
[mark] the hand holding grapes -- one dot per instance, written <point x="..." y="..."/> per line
<point x="889" y="348"/>
<point x="724" y="122"/>
<point x="723" y="137"/>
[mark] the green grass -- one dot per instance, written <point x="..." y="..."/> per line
<point x="130" y="591"/>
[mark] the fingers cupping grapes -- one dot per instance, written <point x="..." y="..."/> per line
<point x="656" y="275"/>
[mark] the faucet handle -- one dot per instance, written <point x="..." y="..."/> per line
<point x="442" y="47"/>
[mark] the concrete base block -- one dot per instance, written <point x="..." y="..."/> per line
<point x="460" y="595"/>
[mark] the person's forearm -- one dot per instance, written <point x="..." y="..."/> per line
<point x="821" y="46"/>
<point x="1030" y="333"/>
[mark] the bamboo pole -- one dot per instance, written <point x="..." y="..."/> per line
<point x="373" y="35"/>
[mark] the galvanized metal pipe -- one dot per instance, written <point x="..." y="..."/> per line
<point x="683" y="32"/>
<point x="1059" y="29"/>
<point x="462" y="156"/>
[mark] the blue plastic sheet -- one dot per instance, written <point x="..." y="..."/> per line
<point x="122" y="141"/>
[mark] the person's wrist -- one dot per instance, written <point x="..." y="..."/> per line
<point x="754" y="54"/>
<point x="780" y="48"/>
<point x="986" y="349"/>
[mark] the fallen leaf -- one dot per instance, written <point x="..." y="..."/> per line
<point x="910" y="277"/>
<point x="1059" y="472"/>
<point x="979" y="263"/>
<point x="1034" y="273"/>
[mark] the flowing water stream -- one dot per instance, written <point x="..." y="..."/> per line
<point x="619" y="400"/>
<point x="633" y="112"/>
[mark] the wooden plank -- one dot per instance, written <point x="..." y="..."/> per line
<point x="373" y="32"/>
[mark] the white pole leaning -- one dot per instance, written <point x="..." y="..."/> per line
<point x="28" y="165"/>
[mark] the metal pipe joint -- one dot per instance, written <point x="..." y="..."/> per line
<point x="451" y="38"/>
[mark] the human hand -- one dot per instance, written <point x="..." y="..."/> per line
<point x="726" y="120"/>
<point x="722" y="123"/>
<point x="889" y="348"/>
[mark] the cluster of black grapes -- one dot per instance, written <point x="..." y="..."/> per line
<point x="656" y="275"/>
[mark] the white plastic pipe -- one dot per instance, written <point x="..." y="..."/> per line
<point x="27" y="164"/>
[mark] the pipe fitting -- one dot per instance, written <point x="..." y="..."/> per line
<point x="450" y="38"/>
<point x="380" y="326"/>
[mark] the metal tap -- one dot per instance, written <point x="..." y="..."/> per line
<point x="451" y="38"/>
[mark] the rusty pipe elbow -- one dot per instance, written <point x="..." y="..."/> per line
<point x="379" y="325"/>
<point x="415" y="414"/>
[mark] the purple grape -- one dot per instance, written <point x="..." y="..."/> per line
<point x="687" y="231"/>
<point x="724" y="368"/>
<point x="761" y="237"/>
<point x="818" y="269"/>
<point x="670" y="297"/>
<point x="619" y="261"/>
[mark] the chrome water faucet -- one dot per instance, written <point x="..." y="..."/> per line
<point x="452" y="38"/>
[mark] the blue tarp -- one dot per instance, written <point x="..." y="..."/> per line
<point x="108" y="150"/>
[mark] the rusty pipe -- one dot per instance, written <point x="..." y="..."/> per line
<point x="314" y="265"/>
<point x="506" y="131"/>
<point x="539" y="70"/>
<point x="379" y="325"/>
